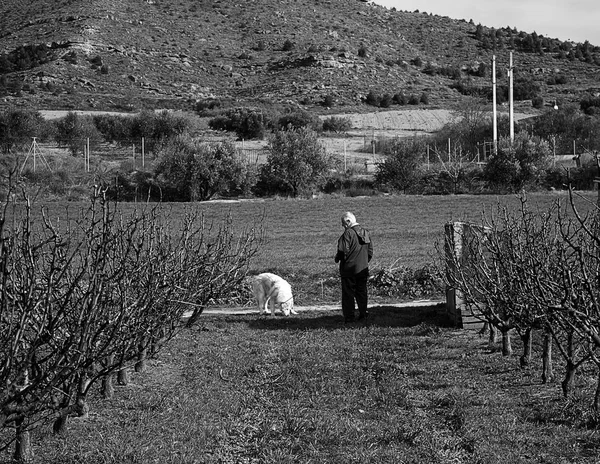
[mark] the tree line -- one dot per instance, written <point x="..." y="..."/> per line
<point x="185" y="166"/>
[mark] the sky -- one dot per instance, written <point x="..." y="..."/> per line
<point x="576" y="20"/>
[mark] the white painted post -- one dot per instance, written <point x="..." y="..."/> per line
<point x="511" y="110"/>
<point x="494" y="111"/>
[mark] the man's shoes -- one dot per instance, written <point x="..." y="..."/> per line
<point x="363" y="316"/>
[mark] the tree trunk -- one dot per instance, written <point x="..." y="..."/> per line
<point x="547" y="372"/>
<point x="571" y="368"/>
<point x="23" y="451"/>
<point x="506" y="343"/>
<point x="140" y="364"/>
<point x="122" y="376"/>
<point x="596" y="405"/>
<point x="60" y="424"/>
<point x="493" y="335"/>
<point x="527" y="338"/>
<point x="567" y="383"/>
<point x="108" y="388"/>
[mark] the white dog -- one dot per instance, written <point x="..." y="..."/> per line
<point x="270" y="290"/>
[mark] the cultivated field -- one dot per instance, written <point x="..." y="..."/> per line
<point x="405" y="388"/>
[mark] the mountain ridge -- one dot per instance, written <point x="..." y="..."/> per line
<point x="135" y="54"/>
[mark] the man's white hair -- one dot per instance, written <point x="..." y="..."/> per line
<point x="348" y="216"/>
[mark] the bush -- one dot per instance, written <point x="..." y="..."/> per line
<point x="328" y="101"/>
<point x="337" y="124"/>
<point x="297" y="119"/>
<point x="205" y="106"/>
<point x="18" y="127"/>
<point x="517" y="164"/>
<point x="386" y="101"/>
<point x="537" y="102"/>
<point x="247" y="123"/>
<point x="191" y="170"/>
<point x="400" y="168"/>
<point x="288" y="45"/>
<point x="401" y="98"/>
<point x="413" y="100"/>
<point x="297" y="163"/>
<point x="404" y="282"/>
<point x="74" y="131"/>
<point x="417" y="61"/>
<point x="373" y="98"/>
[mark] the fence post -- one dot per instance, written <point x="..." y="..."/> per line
<point x="458" y="311"/>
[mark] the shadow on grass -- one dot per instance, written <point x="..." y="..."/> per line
<point x="379" y="316"/>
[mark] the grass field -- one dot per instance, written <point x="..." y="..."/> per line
<point x="301" y="235"/>
<point x="407" y="388"/>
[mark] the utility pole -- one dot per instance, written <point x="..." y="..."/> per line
<point x="494" y="112"/>
<point x="511" y="115"/>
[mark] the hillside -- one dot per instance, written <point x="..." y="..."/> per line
<point x="131" y="54"/>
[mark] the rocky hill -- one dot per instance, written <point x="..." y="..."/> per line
<point x="133" y="54"/>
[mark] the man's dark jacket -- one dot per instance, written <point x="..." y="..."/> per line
<point x="354" y="250"/>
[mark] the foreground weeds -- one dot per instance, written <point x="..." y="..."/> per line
<point x="307" y="389"/>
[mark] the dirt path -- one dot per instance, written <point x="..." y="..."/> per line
<point x="324" y="307"/>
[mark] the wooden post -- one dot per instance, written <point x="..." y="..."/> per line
<point x="143" y="153"/>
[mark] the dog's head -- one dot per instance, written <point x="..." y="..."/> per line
<point x="287" y="306"/>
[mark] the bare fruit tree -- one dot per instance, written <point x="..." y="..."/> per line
<point x="88" y="295"/>
<point x="535" y="270"/>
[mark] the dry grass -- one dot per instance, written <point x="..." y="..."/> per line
<point x="406" y="388"/>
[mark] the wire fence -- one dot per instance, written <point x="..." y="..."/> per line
<point x="357" y="154"/>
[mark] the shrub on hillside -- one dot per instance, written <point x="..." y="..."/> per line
<point x="537" y="102"/>
<point x="288" y="45"/>
<point x="386" y="101"/>
<point x="206" y="106"/>
<point x="373" y="98"/>
<point x="401" y="99"/>
<point x="328" y="101"/>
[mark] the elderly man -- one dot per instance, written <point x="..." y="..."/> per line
<point x="354" y="252"/>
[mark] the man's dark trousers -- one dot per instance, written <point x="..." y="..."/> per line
<point x="354" y="287"/>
